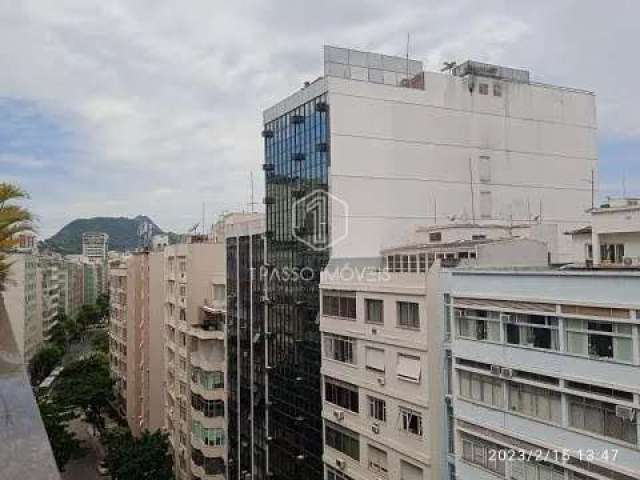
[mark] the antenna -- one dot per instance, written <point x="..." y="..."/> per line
<point x="593" y="188"/>
<point x="473" y="204"/>
<point x="252" y="203"/>
<point x="203" y="221"/>
<point x="408" y="38"/>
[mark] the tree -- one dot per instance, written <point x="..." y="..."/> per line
<point x="141" y="458"/>
<point x="14" y="220"/>
<point x="100" y="341"/>
<point x="102" y="304"/>
<point x="87" y="384"/>
<point x="44" y="361"/>
<point x="58" y="333"/>
<point x="56" y="420"/>
<point x="88" y="315"/>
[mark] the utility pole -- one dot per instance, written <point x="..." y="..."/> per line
<point x="473" y="203"/>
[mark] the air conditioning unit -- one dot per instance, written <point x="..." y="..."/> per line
<point x="339" y="414"/>
<point x="496" y="369"/>
<point x="375" y="428"/>
<point x="341" y="464"/>
<point x="507" y="373"/>
<point x="374" y="331"/>
<point x="381" y="381"/>
<point x="626" y="413"/>
<point x="631" y="261"/>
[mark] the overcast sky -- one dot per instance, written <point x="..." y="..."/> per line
<point x="153" y="107"/>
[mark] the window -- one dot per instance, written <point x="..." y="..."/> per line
<point x="600" y="339"/>
<point x="390" y="264"/>
<point x="481" y="388"/>
<point x="183" y="290"/>
<point x="333" y="474"/>
<point x="422" y="263"/>
<point x="377" y="460"/>
<point x="483" y="89"/>
<point x="408" y="367"/>
<point x="209" y="408"/>
<point x="409" y="471"/>
<point x="374" y="358"/>
<point x="343" y="440"/>
<point x="531" y="470"/>
<point x="481" y="452"/>
<point x="213" y="437"/>
<point x="535" y="331"/>
<point x="478" y="325"/>
<point x="435" y="237"/>
<point x="485" y="171"/>
<point x="486" y="205"/>
<point x="339" y="304"/>
<point x="497" y="89"/>
<point x="535" y="402"/>
<point x="209" y="380"/>
<point x="600" y="418"/>
<point x="410" y="421"/>
<point x="183" y="315"/>
<point x="610" y="253"/>
<point x="218" y="292"/>
<point x="339" y="348"/>
<point x="408" y="315"/>
<point x="342" y="394"/>
<point x="377" y="408"/>
<point x="374" y="310"/>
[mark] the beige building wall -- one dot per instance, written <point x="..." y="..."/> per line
<point x="137" y="339"/>
<point x="195" y="359"/>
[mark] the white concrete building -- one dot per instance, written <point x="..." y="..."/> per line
<point x="526" y="150"/>
<point x="95" y="246"/>
<point x="613" y="238"/>
<point x="21" y="299"/>
<point x="383" y="358"/>
<point x="544" y="373"/>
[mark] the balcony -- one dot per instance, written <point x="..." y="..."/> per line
<point x="208" y="450"/>
<point x="25" y="451"/>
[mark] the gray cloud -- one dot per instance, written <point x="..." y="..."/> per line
<point x="165" y="98"/>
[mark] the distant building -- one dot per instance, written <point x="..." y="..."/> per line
<point x="95" y="246"/>
<point x="22" y="300"/>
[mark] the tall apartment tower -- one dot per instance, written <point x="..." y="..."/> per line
<point x="194" y="326"/>
<point x="136" y="338"/>
<point x="22" y="303"/>
<point x="246" y="345"/>
<point x="356" y="158"/>
<point x="94" y="245"/>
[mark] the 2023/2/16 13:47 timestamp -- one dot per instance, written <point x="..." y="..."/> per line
<point x="608" y="455"/>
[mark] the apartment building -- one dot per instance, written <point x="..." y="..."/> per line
<point x="545" y="362"/>
<point x="247" y="351"/>
<point x="74" y="283"/>
<point x="95" y="246"/>
<point x="383" y="358"/>
<point x="49" y="288"/>
<point x="136" y="338"/>
<point x="194" y="325"/>
<point x="482" y="144"/>
<point x="22" y="303"/>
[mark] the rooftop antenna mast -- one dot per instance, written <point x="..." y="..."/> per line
<point x="203" y="221"/>
<point x="408" y="39"/>
<point x="252" y="202"/>
<point x="473" y="203"/>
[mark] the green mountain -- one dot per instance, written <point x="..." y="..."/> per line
<point x="122" y="231"/>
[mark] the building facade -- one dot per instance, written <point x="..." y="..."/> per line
<point x="194" y="326"/>
<point x="21" y="299"/>
<point x="246" y="346"/>
<point x="95" y="246"/>
<point x="481" y="145"/>
<point x="136" y="339"/>
<point x="544" y="373"/>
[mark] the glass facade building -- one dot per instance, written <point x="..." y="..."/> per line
<point x="274" y="353"/>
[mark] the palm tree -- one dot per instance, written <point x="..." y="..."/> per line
<point x="14" y="220"/>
